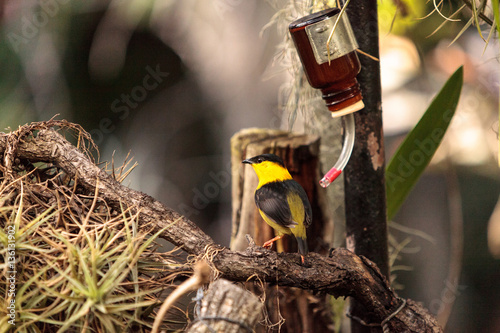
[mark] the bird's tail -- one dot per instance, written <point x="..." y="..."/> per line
<point x="302" y="242"/>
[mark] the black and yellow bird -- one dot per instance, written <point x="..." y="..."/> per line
<point x="281" y="201"/>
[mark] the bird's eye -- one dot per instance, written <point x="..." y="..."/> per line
<point x="260" y="160"/>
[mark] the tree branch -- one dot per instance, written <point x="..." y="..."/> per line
<point x="49" y="146"/>
<point x="341" y="274"/>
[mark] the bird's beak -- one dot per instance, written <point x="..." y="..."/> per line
<point x="247" y="161"/>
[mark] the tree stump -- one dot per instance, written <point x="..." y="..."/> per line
<point x="291" y="309"/>
<point x="227" y="308"/>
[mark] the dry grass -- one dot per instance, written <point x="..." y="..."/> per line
<point x="80" y="265"/>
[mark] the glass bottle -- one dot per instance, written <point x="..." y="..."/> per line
<point x="335" y="76"/>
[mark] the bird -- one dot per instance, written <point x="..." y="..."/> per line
<point x="281" y="201"/>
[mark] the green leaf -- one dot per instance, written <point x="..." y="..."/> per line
<point x="415" y="153"/>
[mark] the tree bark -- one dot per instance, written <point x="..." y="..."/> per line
<point x="291" y="309"/>
<point x="341" y="274"/>
<point x="365" y="199"/>
<point x="227" y="308"/>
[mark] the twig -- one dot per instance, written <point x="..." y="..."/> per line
<point x="456" y="240"/>
<point x="480" y="14"/>
<point x="200" y="277"/>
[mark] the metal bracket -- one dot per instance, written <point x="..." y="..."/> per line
<point x="342" y="42"/>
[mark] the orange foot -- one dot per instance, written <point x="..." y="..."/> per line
<point x="270" y="242"/>
<point x="302" y="258"/>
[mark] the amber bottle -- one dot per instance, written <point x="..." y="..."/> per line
<point x="335" y="76"/>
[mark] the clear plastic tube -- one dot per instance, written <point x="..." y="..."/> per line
<point x="345" y="154"/>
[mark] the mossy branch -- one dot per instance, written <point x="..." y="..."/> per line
<point x="341" y="274"/>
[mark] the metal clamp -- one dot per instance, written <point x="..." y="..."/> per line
<point x="342" y="42"/>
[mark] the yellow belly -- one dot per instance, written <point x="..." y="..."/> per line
<point x="279" y="228"/>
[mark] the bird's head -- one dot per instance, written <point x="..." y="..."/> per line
<point x="269" y="168"/>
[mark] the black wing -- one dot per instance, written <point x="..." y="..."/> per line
<point x="271" y="200"/>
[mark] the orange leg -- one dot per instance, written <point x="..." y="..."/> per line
<point x="270" y="242"/>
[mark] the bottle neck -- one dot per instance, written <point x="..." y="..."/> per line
<point x="338" y="97"/>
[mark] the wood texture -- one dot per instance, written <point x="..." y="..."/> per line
<point x="341" y="274"/>
<point x="225" y="300"/>
<point x="364" y="176"/>
<point x="300" y="154"/>
<point x="289" y="308"/>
